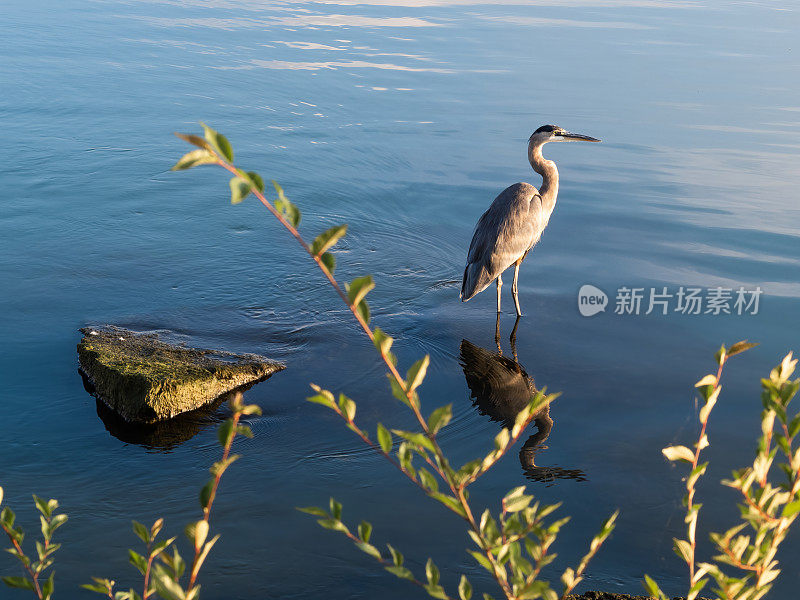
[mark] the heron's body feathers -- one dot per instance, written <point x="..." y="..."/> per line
<point x="505" y="232"/>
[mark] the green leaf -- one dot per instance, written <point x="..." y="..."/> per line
<point x="175" y="562"/>
<point x="535" y="589"/>
<point x="382" y="341"/>
<point x="740" y="347"/>
<point x="420" y="439"/>
<point x="464" y="589"/>
<point x="482" y="560"/>
<point x="707" y="380"/>
<point x="195" y="158"/>
<point x="384" y="439"/>
<point x="683" y="549"/>
<point x="397" y="557"/>
<point x="468" y="470"/>
<point x="141" y="532"/>
<point x="197" y="532"/>
<point x="416" y="374"/>
<point x="517" y="503"/>
<point x="502" y="439"/>
<point x="167" y="587"/>
<point x="195" y="140"/>
<point x="358" y="288"/>
<point x="333" y="524"/>
<point x="161" y="546"/>
<point x="653" y="589"/>
<point x="48" y="528"/>
<point x="440" y="418"/>
<point x="327" y="239"/>
<point x="156" y="528"/>
<point x="244" y="431"/>
<point x="201" y="557"/>
<point x="323" y="397"/>
<point x="794" y="426"/>
<point x="101" y="586"/>
<point x="791" y="509"/>
<point x="436" y="591"/>
<point x="336" y="508"/>
<point x="219" y="142"/>
<point x="400" y="572"/>
<point x="289" y="211"/>
<point x="205" y="493"/>
<point x="720" y="355"/>
<point x="369" y="549"/>
<point x="363" y="310"/>
<point x="239" y="189"/>
<point x="348" y="407"/>
<point x="674" y="453"/>
<point x="219" y="467"/>
<point x="137" y="560"/>
<point x="46" y="507"/>
<point x="428" y="480"/>
<point x="225" y="432"/>
<point x="450" y="503"/>
<point x="17" y="582"/>
<point x="365" y="531"/>
<point x="397" y="391"/>
<point x="251" y="409"/>
<point x="431" y="572"/>
<point x="329" y="261"/>
<point x="695" y="589"/>
<point x="314" y="510"/>
<point x="255" y="180"/>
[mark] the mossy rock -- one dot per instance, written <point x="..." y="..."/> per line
<point x="145" y="380"/>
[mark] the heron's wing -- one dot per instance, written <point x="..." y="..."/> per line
<point x="511" y="226"/>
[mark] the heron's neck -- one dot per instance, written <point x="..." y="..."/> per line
<point x="547" y="169"/>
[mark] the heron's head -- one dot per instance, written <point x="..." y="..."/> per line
<point x="554" y="133"/>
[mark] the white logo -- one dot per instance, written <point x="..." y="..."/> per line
<point x="591" y="300"/>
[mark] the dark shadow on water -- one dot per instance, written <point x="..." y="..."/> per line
<point x="500" y="387"/>
<point x="164" y="436"/>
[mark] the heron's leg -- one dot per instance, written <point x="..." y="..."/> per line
<point x="514" y="287"/>
<point x="499" y="285"/>
<point x="497" y="335"/>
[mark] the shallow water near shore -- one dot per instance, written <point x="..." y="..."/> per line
<point x="404" y="119"/>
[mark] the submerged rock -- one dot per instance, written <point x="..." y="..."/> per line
<point x="145" y="380"/>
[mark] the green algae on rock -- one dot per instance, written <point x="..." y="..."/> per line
<point x="145" y="380"/>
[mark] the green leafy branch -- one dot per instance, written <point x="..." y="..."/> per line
<point x="34" y="569"/>
<point x="710" y="387"/>
<point x="767" y="510"/>
<point x="162" y="577"/>
<point x="504" y="562"/>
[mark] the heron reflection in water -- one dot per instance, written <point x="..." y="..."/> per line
<point x="500" y="388"/>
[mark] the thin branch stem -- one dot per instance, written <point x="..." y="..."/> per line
<point x="207" y="510"/>
<point x="146" y="593"/>
<point x="690" y="486"/>
<point x="34" y="576"/>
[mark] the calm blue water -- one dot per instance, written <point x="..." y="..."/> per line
<point x="403" y="118"/>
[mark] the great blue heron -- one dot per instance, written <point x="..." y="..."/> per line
<point x="515" y="221"/>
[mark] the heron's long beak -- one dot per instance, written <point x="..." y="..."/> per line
<point x="577" y="137"/>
